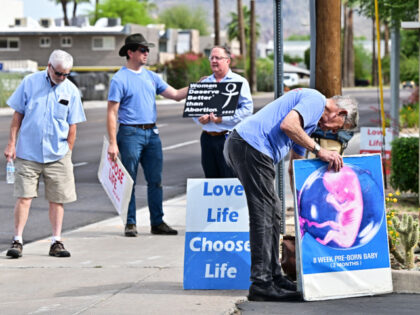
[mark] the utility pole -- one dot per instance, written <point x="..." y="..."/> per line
<point x="216" y="23"/>
<point x="328" y="44"/>
<point x="253" y="52"/>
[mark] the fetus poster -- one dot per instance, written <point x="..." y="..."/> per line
<point x="341" y="232"/>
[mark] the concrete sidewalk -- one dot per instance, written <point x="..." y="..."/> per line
<point x="112" y="274"/>
<point x="109" y="273"/>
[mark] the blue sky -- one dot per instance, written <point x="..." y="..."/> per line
<point x="48" y="8"/>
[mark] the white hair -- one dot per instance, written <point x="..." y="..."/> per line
<point x="62" y="58"/>
<point x="350" y="105"/>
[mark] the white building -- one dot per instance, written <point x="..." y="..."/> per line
<point x="10" y="9"/>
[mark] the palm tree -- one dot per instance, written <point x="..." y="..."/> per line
<point x="233" y="26"/>
<point x="64" y="7"/>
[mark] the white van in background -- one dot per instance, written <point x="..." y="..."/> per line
<point x="290" y="79"/>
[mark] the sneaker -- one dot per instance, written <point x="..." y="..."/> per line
<point x="164" y="229"/>
<point x="57" y="250"/>
<point x="15" y="251"/>
<point x="130" y="230"/>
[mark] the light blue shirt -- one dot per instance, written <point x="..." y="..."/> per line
<point x="262" y="130"/>
<point x="245" y="105"/>
<point x="45" y="124"/>
<point x="136" y="93"/>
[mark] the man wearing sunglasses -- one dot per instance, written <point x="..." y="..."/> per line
<point x="47" y="109"/>
<point x="131" y="103"/>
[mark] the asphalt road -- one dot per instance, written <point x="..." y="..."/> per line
<point x="180" y="141"/>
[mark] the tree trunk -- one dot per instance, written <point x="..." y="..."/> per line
<point x="348" y="50"/>
<point x="96" y="9"/>
<point x="386" y="78"/>
<point x="64" y="6"/>
<point x="241" y="30"/>
<point x="252" y="51"/>
<point x="74" y="8"/>
<point x="216" y="23"/>
<point x="386" y="39"/>
<point x="374" y="68"/>
<point x="328" y="56"/>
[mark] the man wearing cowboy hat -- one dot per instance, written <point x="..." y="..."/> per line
<point x="132" y="99"/>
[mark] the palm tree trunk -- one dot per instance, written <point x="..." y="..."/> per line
<point x="64" y="6"/>
<point x="252" y="51"/>
<point x="96" y="10"/>
<point x="241" y="30"/>
<point x="74" y="8"/>
<point x="216" y="23"/>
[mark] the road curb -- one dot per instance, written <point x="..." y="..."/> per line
<point x="406" y="281"/>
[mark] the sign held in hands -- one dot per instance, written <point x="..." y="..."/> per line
<point x="212" y="97"/>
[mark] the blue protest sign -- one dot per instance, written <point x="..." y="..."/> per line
<point x="341" y="228"/>
<point x="217" y="249"/>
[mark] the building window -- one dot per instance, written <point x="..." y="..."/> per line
<point x="103" y="43"/>
<point x="66" y="41"/>
<point x="9" y="43"/>
<point x="45" y="42"/>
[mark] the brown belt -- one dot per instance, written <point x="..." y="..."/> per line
<point x="142" y="126"/>
<point x="215" y="133"/>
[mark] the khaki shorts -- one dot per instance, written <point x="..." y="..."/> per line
<point x="58" y="179"/>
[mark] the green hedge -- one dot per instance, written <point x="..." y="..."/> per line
<point x="405" y="164"/>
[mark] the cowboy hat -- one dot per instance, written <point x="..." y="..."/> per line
<point x="134" y="39"/>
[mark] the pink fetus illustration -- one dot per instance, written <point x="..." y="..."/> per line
<point x="345" y="195"/>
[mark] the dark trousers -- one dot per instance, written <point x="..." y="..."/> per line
<point x="256" y="172"/>
<point x="212" y="160"/>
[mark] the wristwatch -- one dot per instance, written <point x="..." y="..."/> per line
<point x="316" y="149"/>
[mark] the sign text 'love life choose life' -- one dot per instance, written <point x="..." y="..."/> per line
<point x="217" y="249"/>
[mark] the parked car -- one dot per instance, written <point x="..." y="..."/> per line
<point x="361" y="82"/>
<point x="290" y="79"/>
<point x="408" y="84"/>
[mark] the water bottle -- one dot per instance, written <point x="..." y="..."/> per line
<point x="10" y="172"/>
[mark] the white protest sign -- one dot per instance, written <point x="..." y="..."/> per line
<point x="116" y="182"/>
<point x="371" y="139"/>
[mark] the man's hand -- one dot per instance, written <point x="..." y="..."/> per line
<point x="113" y="151"/>
<point x="215" y="119"/>
<point x="10" y="152"/>
<point x="334" y="159"/>
<point x="204" y="119"/>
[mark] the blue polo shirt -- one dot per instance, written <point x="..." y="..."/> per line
<point x="48" y="112"/>
<point x="262" y="130"/>
<point x="136" y="92"/>
<point x="245" y="104"/>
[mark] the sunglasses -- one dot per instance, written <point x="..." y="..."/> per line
<point x="143" y="49"/>
<point x="59" y="74"/>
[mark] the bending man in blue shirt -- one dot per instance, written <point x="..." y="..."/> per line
<point x="252" y="150"/>
<point x="47" y="109"/>
<point x="215" y="128"/>
<point x="131" y="98"/>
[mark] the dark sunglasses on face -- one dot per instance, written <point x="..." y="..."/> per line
<point x="143" y="49"/>
<point x="59" y="74"/>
